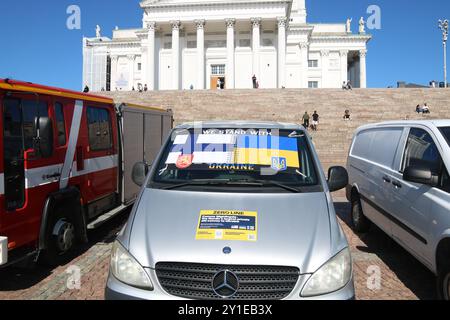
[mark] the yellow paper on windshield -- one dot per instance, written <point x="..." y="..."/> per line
<point x="229" y="225"/>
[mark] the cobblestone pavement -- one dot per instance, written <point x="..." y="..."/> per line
<point x="401" y="276"/>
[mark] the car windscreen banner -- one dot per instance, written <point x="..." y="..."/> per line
<point x="225" y="151"/>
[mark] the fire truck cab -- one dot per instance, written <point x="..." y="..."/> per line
<point x="65" y="165"/>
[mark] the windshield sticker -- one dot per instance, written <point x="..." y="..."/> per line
<point x="238" y="132"/>
<point x="279" y="164"/>
<point x="181" y="139"/>
<point x="232" y="167"/>
<point x="279" y="153"/>
<point x="184" y="161"/>
<point x="216" y="139"/>
<point x="228" y="225"/>
<point x="263" y="157"/>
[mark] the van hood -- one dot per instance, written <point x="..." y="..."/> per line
<point x="292" y="229"/>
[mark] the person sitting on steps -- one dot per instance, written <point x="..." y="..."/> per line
<point x="347" y="115"/>
<point x="347" y="85"/>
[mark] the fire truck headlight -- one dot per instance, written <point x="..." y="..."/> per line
<point x="127" y="270"/>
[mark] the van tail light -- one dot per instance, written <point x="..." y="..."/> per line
<point x="80" y="159"/>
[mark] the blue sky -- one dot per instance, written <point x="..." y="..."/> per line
<point x="37" y="46"/>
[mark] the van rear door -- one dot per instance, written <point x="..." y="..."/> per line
<point x="373" y="156"/>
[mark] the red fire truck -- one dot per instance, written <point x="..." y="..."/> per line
<point x="65" y="165"/>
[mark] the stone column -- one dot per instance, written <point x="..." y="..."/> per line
<point x="151" y="56"/>
<point x="229" y="81"/>
<point x="344" y="66"/>
<point x="282" y="21"/>
<point x="200" y="53"/>
<point x="114" y="60"/>
<point x="305" y="69"/>
<point x="176" y="54"/>
<point x="325" y="66"/>
<point x="362" y="69"/>
<point x="256" y="24"/>
<point x="131" y="58"/>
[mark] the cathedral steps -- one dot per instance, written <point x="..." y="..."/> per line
<point x="334" y="136"/>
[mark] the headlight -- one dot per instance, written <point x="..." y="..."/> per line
<point x="126" y="269"/>
<point x="332" y="276"/>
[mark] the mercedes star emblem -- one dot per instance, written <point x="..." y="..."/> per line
<point x="225" y="284"/>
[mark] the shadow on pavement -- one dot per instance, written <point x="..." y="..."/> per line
<point x="409" y="271"/>
<point x="24" y="277"/>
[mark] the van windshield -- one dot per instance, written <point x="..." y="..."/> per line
<point x="446" y="133"/>
<point x="236" y="157"/>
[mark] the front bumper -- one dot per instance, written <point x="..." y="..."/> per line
<point x="3" y="250"/>
<point x="116" y="290"/>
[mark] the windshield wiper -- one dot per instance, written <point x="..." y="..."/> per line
<point x="198" y="182"/>
<point x="230" y="182"/>
<point x="265" y="183"/>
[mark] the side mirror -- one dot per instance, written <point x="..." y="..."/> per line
<point x="139" y="173"/>
<point x="420" y="174"/>
<point x="45" y="137"/>
<point x="337" y="178"/>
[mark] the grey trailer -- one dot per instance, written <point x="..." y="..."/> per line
<point x="142" y="132"/>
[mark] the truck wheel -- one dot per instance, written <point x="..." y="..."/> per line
<point x="443" y="283"/>
<point x="359" y="221"/>
<point x="61" y="238"/>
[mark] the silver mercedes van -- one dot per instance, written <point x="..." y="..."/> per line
<point x="399" y="180"/>
<point x="233" y="210"/>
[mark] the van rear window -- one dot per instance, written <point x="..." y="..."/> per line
<point x="377" y="145"/>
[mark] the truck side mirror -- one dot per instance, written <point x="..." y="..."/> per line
<point x="337" y="178"/>
<point x="45" y="137"/>
<point x="140" y="170"/>
<point x="421" y="175"/>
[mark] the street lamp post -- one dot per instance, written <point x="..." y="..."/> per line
<point x="443" y="25"/>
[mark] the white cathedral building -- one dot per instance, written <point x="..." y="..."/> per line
<point x="198" y="44"/>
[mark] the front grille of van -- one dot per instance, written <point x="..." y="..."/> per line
<point x="195" y="281"/>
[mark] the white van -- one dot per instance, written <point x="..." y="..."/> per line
<point x="399" y="180"/>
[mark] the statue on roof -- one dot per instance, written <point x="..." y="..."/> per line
<point x="98" y="31"/>
<point x="349" y="25"/>
<point x="362" y="25"/>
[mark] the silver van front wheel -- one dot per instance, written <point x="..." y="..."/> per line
<point x="359" y="221"/>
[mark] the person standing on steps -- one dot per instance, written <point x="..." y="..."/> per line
<point x="315" y="122"/>
<point x="306" y="120"/>
<point x="218" y="84"/>
<point x="255" y="81"/>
